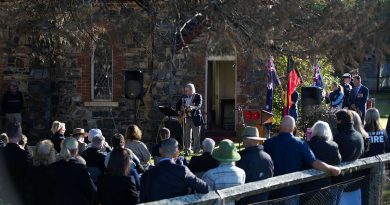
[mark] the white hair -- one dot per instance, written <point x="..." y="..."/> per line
<point x="322" y="129"/>
<point x="208" y="145"/>
<point x="191" y="86"/>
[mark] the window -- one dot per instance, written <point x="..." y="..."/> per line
<point x="101" y="71"/>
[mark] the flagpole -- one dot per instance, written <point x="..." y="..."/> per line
<point x="288" y="85"/>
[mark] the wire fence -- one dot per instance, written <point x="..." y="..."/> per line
<point x="329" y="195"/>
<point x="386" y="188"/>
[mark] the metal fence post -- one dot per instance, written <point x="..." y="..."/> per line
<point x="376" y="183"/>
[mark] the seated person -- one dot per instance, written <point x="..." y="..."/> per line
<point x="165" y="133"/>
<point x="201" y="164"/>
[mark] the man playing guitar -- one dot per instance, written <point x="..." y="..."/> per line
<point x="189" y="110"/>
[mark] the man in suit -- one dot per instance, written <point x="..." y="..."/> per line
<point x="167" y="179"/>
<point x="191" y="105"/>
<point x="358" y="97"/>
<point x="16" y="162"/>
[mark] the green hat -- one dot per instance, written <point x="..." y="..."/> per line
<point x="226" y="152"/>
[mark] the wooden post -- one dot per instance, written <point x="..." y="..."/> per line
<point x="376" y="183"/>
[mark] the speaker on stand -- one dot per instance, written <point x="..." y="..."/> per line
<point x="311" y="96"/>
<point x="134" y="89"/>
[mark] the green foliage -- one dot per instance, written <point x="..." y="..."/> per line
<point x="305" y="67"/>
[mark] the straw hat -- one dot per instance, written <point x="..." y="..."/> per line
<point x="79" y="131"/>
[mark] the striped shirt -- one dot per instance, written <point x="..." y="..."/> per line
<point x="224" y="176"/>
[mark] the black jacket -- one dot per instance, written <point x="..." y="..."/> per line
<point x="168" y="180"/>
<point x="56" y="139"/>
<point x="202" y="163"/>
<point x="351" y="146"/>
<point x="326" y="151"/>
<point x="347" y="90"/>
<point x="350" y="142"/>
<point x="38" y="185"/>
<point x="16" y="162"/>
<point x="116" y="190"/>
<point x="70" y="183"/>
<point x="94" y="158"/>
<point x="196" y="113"/>
<point x="257" y="165"/>
<point x="12" y="103"/>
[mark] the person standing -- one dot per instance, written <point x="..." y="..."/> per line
<point x="351" y="146"/>
<point x="336" y="96"/>
<point x="190" y="106"/>
<point x="379" y="141"/>
<point x="256" y="163"/>
<point x="347" y="88"/>
<point x="290" y="154"/>
<point x="16" y="162"/>
<point x="12" y="103"/>
<point x="293" y="112"/>
<point x="326" y="150"/>
<point x="358" y="97"/>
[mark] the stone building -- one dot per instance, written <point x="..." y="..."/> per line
<point x="85" y="88"/>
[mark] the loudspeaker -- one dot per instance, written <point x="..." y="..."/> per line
<point x="134" y="80"/>
<point x="311" y="95"/>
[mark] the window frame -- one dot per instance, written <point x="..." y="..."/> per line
<point x="93" y="76"/>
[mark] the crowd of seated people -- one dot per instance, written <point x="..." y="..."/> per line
<point x="86" y="169"/>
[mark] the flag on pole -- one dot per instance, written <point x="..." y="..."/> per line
<point x="273" y="80"/>
<point x="293" y="81"/>
<point x="317" y="79"/>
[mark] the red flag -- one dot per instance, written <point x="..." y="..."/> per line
<point x="293" y="82"/>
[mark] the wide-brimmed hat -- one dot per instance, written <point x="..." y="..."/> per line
<point x="79" y="131"/>
<point x="226" y="152"/>
<point x="251" y="133"/>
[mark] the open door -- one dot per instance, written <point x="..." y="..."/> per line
<point x="221" y="94"/>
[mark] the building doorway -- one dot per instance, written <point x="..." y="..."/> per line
<point x="221" y="93"/>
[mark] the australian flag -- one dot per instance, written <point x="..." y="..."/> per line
<point x="273" y="80"/>
<point x="317" y="79"/>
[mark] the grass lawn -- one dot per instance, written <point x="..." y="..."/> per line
<point x="382" y="102"/>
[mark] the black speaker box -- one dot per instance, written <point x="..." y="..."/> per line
<point x="134" y="80"/>
<point x="311" y="95"/>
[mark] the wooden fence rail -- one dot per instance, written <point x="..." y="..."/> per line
<point x="376" y="165"/>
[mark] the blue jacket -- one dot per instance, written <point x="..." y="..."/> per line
<point x="168" y="180"/>
<point x="336" y="99"/>
<point x="196" y="113"/>
<point x="359" y="96"/>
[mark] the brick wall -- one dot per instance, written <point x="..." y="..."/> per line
<point x="84" y="84"/>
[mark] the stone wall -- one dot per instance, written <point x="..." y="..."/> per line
<point x="63" y="92"/>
